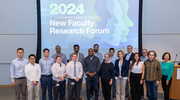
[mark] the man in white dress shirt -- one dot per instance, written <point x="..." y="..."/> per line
<point x="59" y="73"/>
<point x="33" y="74"/>
<point x="80" y="58"/>
<point x="74" y="71"/>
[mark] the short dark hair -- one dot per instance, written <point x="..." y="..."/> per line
<point x="129" y="46"/>
<point x="32" y="55"/>
<point x="96" y="45"/>
<point x="58" y="56"/>
<point x="165" y="54"/>
<point x="76" y="45"/>
<point x="155" y="55"/>
<point x="58" y="46"/>
<point x="145" y="49"/>
<point x="46" y="49"/>
<point x="20" y="49"/>
<point x="112" y="49"/>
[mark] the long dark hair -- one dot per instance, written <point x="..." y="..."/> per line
<point x="134" y="61"/>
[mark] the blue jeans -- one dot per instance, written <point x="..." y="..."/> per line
<point x="152" y="90"/>
<point x="46" y="81"/>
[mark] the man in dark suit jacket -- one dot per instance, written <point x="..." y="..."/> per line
<point x="80" y="58"/>
<point x="129" y="56"/>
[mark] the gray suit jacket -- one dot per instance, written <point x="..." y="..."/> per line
<point x="80" y="57"/>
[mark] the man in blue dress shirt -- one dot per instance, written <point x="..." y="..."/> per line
<point x="18" y="75"/>
<point x="113" y="59"/>
<point x="46" y="75"/>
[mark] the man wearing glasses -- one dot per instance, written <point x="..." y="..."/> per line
<point x="17" y="74"/>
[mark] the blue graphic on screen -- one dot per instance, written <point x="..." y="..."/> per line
<point x="109" y="23"/>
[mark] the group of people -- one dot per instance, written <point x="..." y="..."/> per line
<point x="112" y="71"/>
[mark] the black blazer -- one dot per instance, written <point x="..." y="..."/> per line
<point x="130" y="58"/>
<point x="124" y="69"/>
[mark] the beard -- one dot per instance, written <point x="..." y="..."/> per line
<point x="96" y="50"/>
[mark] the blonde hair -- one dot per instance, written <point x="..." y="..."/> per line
<point x="121" y="52"/>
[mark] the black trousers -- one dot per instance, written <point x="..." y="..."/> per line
<point x="165" y="87"/>
<point x="142" y="90"/>
<point x="74" y="86"/>
<point x="92" y="83"/>
<point x="59" y="89"/>
<point x="114" y="88"/>
<point x="106" y="89"/>
<point x="135" y="86"/>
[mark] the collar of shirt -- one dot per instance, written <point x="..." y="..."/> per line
<point x="46" y="59"/>
<point x="92" y="57"/>
<point x="32" y="64"/>
<point x="77" y="55"/>
<point x="144" y="57"/>
<point x="97" y="54"/>
<point x="129" y="53"/>
<point x="73" y="61"/>
<point x="128" y="56"/>
<point x="112" y="58"/>
<point x="20" y="60"/>
<point x="151" y="60"/>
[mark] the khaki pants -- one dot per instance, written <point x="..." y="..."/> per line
<point x="120" y="88"/>
<point x="20" y="87"/>
<point x="30" y="88"/>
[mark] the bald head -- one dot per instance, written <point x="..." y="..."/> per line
<point x="58" y="49"/>
<point x="90" y="52"/>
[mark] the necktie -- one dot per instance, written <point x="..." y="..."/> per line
<point x="74" y="69"/>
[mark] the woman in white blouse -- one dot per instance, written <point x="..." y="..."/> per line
<point x="59" y="73"/>
<point x="136" y="76"/>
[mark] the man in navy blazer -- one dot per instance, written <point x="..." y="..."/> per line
<point x="129" y="56"/>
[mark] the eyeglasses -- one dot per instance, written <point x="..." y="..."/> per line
<point x="31" y="58"/>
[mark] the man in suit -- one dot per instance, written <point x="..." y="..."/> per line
<point x="129" y="56"/>
<point x="80" y="55"/>
<point x="80" y="58"/>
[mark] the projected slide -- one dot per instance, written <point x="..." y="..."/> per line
<point x="109" y="23"/>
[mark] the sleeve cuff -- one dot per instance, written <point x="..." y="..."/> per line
<point x="87" y="72"/>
